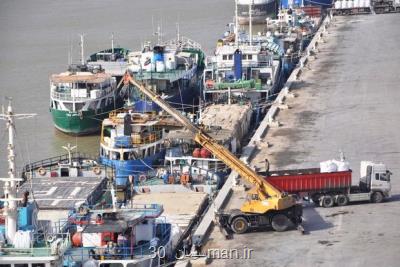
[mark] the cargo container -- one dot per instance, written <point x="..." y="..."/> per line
<point x="334" y="188"/>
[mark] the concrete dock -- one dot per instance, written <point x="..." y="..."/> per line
<point x="346" y="100"/>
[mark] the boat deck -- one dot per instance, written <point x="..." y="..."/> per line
<point x="179" y="207"/>
<point x="56" y="196"/>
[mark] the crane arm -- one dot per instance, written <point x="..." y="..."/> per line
<point x="264" y="189"/>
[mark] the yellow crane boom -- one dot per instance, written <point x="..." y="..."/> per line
<point x="263" y="197"/>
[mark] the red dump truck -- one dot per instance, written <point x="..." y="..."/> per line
<point x="335" y="188"/>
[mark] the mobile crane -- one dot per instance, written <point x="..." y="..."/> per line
<point x="266" y="205"/>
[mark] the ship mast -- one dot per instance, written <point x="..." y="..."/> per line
<point x="236" y="25"/>
<point x="82" y="52"/>
<point x="10" y="191"/>
<point x="112" y="43"/>
<point x="251" y="23"/>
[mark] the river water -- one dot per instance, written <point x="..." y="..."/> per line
<point x="36" y="37"/>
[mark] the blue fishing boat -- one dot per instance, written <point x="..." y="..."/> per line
<point x="172" y="69"/>
<point x="131" y="143"/>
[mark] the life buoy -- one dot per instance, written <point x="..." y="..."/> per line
<point x="51" y="238"/>
<point x="142" y="178"/>
<point x="210" y="84"/>
<point x="96" y="170"/>
<point x="42" y="171"/>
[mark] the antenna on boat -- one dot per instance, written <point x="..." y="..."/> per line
<point x="251" y="22"/>
<point x="112" y="43"/>
<point x="70" y="52"/>
<point x="69" y="148"/>
<point x="82" y="52"/>
<point x="10" y="182"/>
<point x="177" y="31"/>
<point x="236" y="25"/>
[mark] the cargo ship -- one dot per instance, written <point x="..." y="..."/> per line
<point x="132" y="143"/>
<point x="172" y="69"/>
<point x="81" y="97"/>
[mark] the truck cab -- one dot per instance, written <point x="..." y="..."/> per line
<point x="375" y="178"/>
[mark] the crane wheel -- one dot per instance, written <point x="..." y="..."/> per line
<point x="239" y="225"/>
<point x="280" y="222"/>
<point x="342" y="200"/>
<point x="377" y="197"/>
<point x="327" y="201"/>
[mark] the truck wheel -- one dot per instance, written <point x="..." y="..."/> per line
<point x="239" y="225"/>
<point x="316" y="198"/>
<point x="327" y="201"/>
<point x="280" y="222"/>
<point x="377" y="197"/>
<point x="342" y="200"/>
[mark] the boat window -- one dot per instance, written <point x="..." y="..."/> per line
<point x="68" y="106"/>
<point x="80" y="85"/>
<point x="230" y="57"/>
<point x="125" y="155"/>
<point x="56" y="104"/>
<point x="244" y="56"/>
<point x="38" y="265"/>
<point x="249" y="57"/>
<point x="116" y="156"/>
<point x="21" y="265"/>
<point x="79" y="106"/>
<point x="5" y="265"/>
<point x="92" y="105"/>
<point x="377" y="176"/>
<point x="224" y="57"/>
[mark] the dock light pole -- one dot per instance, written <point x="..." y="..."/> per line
<point x="10" y="182"/>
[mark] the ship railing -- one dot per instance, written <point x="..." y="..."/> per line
<point x="171" y="75"/>
<point x="148" y="138"/>
<point x="41" y="245"/>
<point x="66" y="94"/>
<point x="251" y="64"/>
<point x="49" y="163"/>
<point x="147" y="210"/>
<point x="182" y="42"/>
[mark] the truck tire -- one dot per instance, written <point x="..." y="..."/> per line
<point x="342" y="200"/>
<point x="377" y="197"/>
<point x="280" y="222"/>
<point x="327" y="201"/>
<point x="239" y="225"/>
<point x="316" y="199"/>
